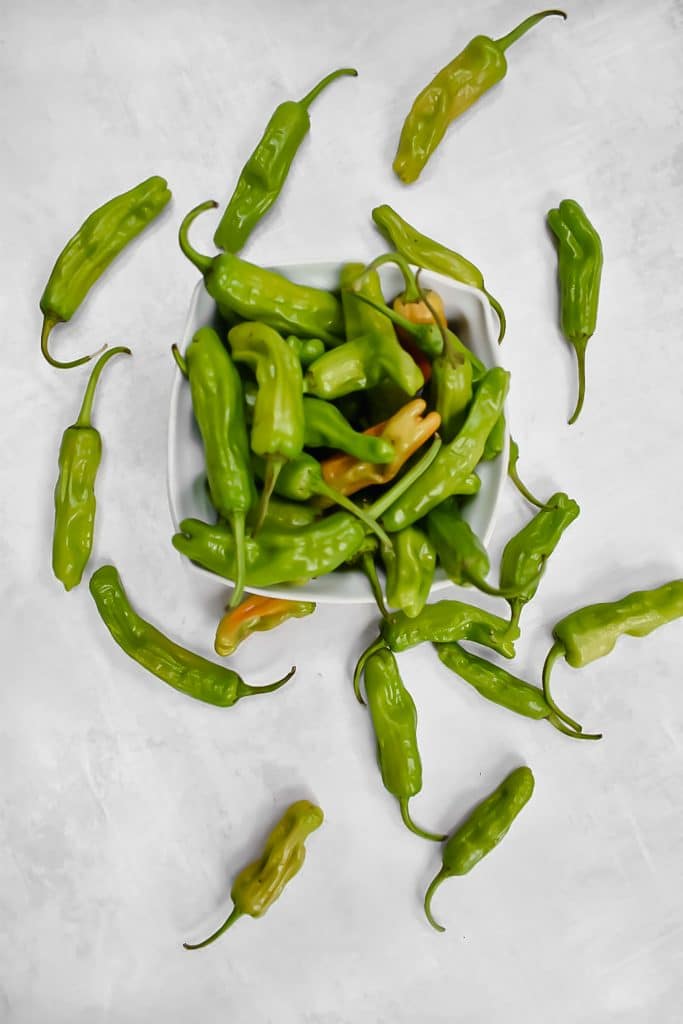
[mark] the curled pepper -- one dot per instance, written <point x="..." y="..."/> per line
<point x="183" y="670"/>
<point x="455" y="88"/>
<point x="579" y="271"/>
<point x="266" y="170"/>
<point x="481" y="831"/>
<point x="87" y="255"/>
<point x="277" y="431"/>
<point x="217" y="403"/>
<point x="253" y="293"/>
<point x="592" y="632"/>
<point x="409" y="561"/>
<point x="256" y="614"/>
<point x="425" y="252"/>
<point x="262" y="882"/>
<point x="326" y="427"/>
<point x="394" y="720"/>
<point x="79" y="459"/>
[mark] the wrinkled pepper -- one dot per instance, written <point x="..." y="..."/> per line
<point x="579" y="272"/>
<point x="409" y="562"/>
<point x="80" y="454"/>
<point x="218" y="406"/>
<point x="495" y="442"/>
<point x="266" y="170"/>
<point x="256" y="614"/>
<point x="86" y="256"/>
<point x="481" y="831"/>
<point x="326" y="427"/>
<point x="481" y="65"/>
<point x="183" y="670"/>
<point x="254" y="293"/>
<point x="462" y="555"/>
<point x="394" y="720"/>
<point x="262" y="882"/>
<point x="451" y="389"/>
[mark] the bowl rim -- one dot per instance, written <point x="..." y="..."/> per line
<point x="299" y="591"/>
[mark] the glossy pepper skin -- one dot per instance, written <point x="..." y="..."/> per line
<point x="183" y="670"/>
<point x="262" y="882"/>
<point x="525" y="555"/>
<point x="579" y="272"/>
<point x="326" y="427"/>
<point x="394" y="720"/>
<point x="253" y="293"/>
<point x="425" y="252"/>
<point x="289" y="515"/>
<point x="495" y="442"/>
<point x="481" y="65"/>
<point x="592" y="632"/>
<point x="457" y="460"/>
<point x="307" y="350"/>
<point x="451" y="391"/>
<point x="495" y="684"/>
<point x="409" y="562"/>
<point x="256" y="614"/>
<point x="87" y="255"/>
<point x="266" y="170"/>
<point x="411" y="304"/>
<point x="513" y="459"/>
<point x="481" y="831"/>
<point x="218" y="406"/>
<point x="79" y="459"/>
<point x="277" y="430"/>
<point x="462" y="555"/>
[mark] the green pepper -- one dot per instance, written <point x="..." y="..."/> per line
<point x="592" y="632"/>
<point x="579" y="271"/>
<point x="456" y="460"/>
<point x="307" y="350"/>
<point x="326" y="427"/>
<point x="394" y="720"/>
<point x="289" y="515"/>
<point x="481" y="831"/>
<point x="183" y="670"/>
<point x="430" y="341"/>
<point x="87" y="255"/>
<point x="409" y="561"/>
<point x="525" y="555"/>
<point x="425" y="252"/>
<point x="451" y="391"/>
<point x="262" y="882"/>
<point x="513" y="458"/>
<point x="79" y="459"/>
<point x="218" y="407"/>
<point x="277" y="431"/>
<point x="501" y="687"/>
<point x="495" y="442"/>
<point x="266" y="170"/>
<point x="462" y="555"/>
<point x="255" y="614"/>
<point x="453" y="89"/>
<point x="253" y="293"/>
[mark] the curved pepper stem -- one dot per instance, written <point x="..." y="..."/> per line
<point x="368" y="566"/>
<point x="48" y="323"/>
<point x="409" y="823"/>
<point x="433" y="886"/>
<point x="505" y="41"/>
<point x="377" y="645"/>
<point x="323" y="83"/>
<point x="237" y="521"/>
<point x="325" y="491"/>
<point x="181" y="362"/>
<point x="85" y="414"/>
<point x="513" y="458"/>
<point x="500" y="313"/>
<point x="412" y="292"/>
<point x="245" y="690"/>
<point x="235" y="914"/>
<point x="580" y="348"/>
<point x="561" y="727"/>
<point x="427" y="337"/>
<point x="201" y="262"/>
<point x="274" y="464"/>
<point x="407" y="480"/>
<point x="555" y="652"/>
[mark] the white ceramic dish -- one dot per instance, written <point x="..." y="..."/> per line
<point x="465" y="306"/>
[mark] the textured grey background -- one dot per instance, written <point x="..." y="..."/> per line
<point x="124" y="807"/>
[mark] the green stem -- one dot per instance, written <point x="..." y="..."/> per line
<point x="203" y="263"/>
<point x="561" y="727"/>
<point x="325" y="491"/>
<point x="237" y="522"/>
<point x="555" y="652"/>
<point x="377" y="645"/>
<point x="420" y="333"/>
<point x="181" y="362"/>
<point x="409" y="823"/>
<point x="323" y="83"/>
<point x="407" y="480"/>
<point x="514" y="476"/>
<point x="85" y="414"/>
<point x="433" y="886"/>
<point x="498" y="309"/>
<point x="512" y="631"/>
<point x="412" y="292"/>
<point x="370" y="569"/>
<point x="580" y="347"/>
<point x="274" y="464"/>
<point x="234" y="915"/>
<point x="524" y="27"/>
<point x="486" y="588"/>
<point x="48" y="324"/>
<point x="246" y="690"/>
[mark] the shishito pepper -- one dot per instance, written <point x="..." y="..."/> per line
<point x="87" y="255"/>
<point x="79" y="459"/>
<point x="462" y="555"/>
<point x="256" y="614"/>
<point x="217" y="403"/>
<point x="455" y="88"/>
<point x="253" y="293"/>
<point x="262" y="882"/>
<point x="481" y="831"/>
<point x="266" y="170"/>
<point x="409" y="562"/>
<point x="394" y="720"/>
<point x="326" y="427"/>
<point x="307" y="350"/>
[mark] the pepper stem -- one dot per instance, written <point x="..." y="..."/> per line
<point x="340" y="499"/>
<point x="555" y="652"/>
<point x="480" y="583"/>
<point x="370" y="569"/>
<point x="377" y="645"/>
<point x="561" y="727"/>
<point x="419" y="332"/>
<point x="48" y="324"/>
<point x="407" y="480"/>
<point x="274" y="464"/>
<point x="514" y="476"/>
<point x="181" y="362"/>
<point x="409" y="823"/>
<point x="433" y="886"/>
<point x="412" y="292"/>
<point x="323" y="83"/>
<point x="515" y="612"/>
<point x="234" y="915"/>
<point x="524" y="27"/>
<point x="201" y="262"/>
<point x="237" y="523"/>
<point x="498" y="310"/>
<point x="247" y="690"/>
<point x="580" y="347"/>
<point x="86" y="408"/>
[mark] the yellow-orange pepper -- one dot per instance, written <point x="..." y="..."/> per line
<point x="420" y="312"/>
<point x="254" y="614"/>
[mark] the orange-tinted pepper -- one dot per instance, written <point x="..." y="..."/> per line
<point x="255" y="614"/>
<point x="419" y="313"/>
